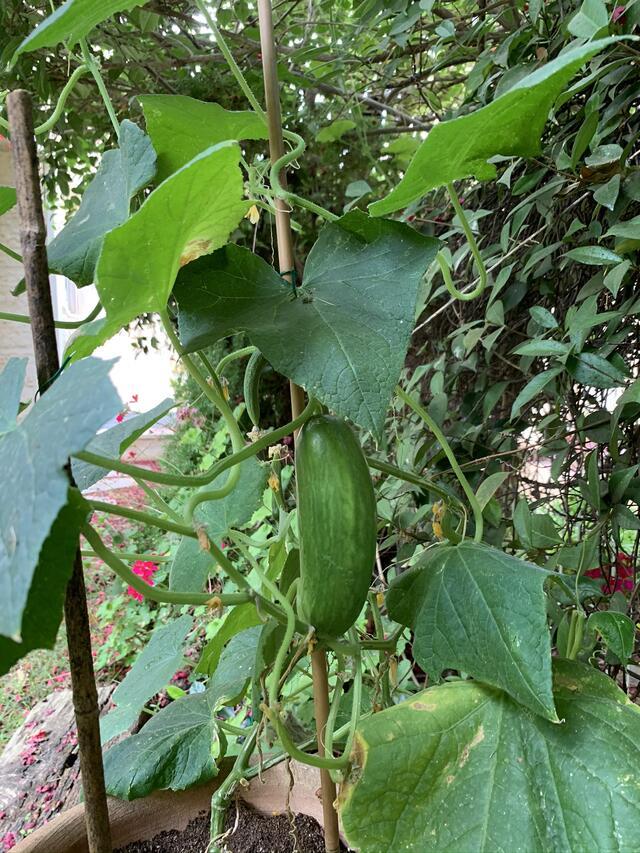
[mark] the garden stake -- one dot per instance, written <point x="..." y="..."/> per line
<point x="36" y="271"/>
<point x="286" y="264"/>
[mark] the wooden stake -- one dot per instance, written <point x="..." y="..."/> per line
<point x="286" y="262"/>
<point x="36" y="272"/>
<point x="284" y="236"/>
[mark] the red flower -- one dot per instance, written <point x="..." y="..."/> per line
<point x="618" y="577"/>
<point x="120" y="417"/>
<point x="145" y="571"/>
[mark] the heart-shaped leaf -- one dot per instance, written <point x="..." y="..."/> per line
<point x="474" y="771"/>
<point x="182" y="127"/>
<point x="511" y="126"/>
<point x="33" y="454"/>
<point x="180" y="221"/>
<point x="344" y="335"/>
<point x="480" y="610"/>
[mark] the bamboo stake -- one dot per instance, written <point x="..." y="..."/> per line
<point x="36" y="271"/>
<point x="286" y="263"/>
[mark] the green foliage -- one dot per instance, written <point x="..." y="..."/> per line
<point x="469" y="763"/>
<point x="34" y="453"/>
<point x="455" y="593"/>
<point x="361" y="279"/>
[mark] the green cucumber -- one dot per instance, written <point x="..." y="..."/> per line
<point x="252" y="375"/>
<point x="337" y="525"/>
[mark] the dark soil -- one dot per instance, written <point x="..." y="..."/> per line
<point x="249" y="832"/>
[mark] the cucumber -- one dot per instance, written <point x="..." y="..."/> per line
<point x="337" y="525"/>
<point x="252" y="375"/>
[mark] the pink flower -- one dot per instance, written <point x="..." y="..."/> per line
<point x="621" y="580"/>
<point x="618" y="14"/>
<point x="9" y="840"/>
<point x="120" y="417"/>
<point x="145" y="571"/>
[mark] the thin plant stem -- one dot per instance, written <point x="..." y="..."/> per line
<point x="94" y="70"/>
<point x="144" y="518"/>
<point x="446" y="447"/>
<point x="463" y="295"/>
<point x="59" y="324"/>
<point x="154" y="593"/>
<point x="14" y="256"/>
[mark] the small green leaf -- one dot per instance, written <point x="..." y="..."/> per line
<point x="595" y="256"/>
<point x="7" y="199"/>
<point x="152" y="670"/>
<point x="543" y="317"/>
<point x="105" y="204"/>
<point x="470" y="590"/>
<point x="629" y="229"/>
<point x="332" y="132"/>
<point x="540" y="348"/>
<point x="534" y="530"/>
<point x="607" y="194"/>
<point x="615" y="276"/>
<point x="534" y="387"/>
<point x="72" y="21"/>
<point x="181" y="128"/>
<point x="234" y="668"/>
<point x="591" y="369"/>
<point x="488" y="488"/>
<point x="113" y="443"/>
<point x="180" y="221"/>
<point x="33" y="454"/>
<point x="590" y="18"/>
<point x="583" y="137"/>
<point x="467" y="764"/>
<point x="619" y="482"/>
<point x="511" y="125"/>
<point x="617" y="632"/>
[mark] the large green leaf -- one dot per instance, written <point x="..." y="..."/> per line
<point x="113" y="443"/>
<point x="181" y="127"/>
<point x="43" y="611"/>
<point x="239" y="505"/>
<point x="592" y="369"/>
<point x="190" y="214"/>
<point x="177" y="747"/>
<point x="32" y="459"/>
<point x="617" y="631"/>
<point x="474" y="772"/>
<point x="7" y="199"/>
<point x="152" y="671"/>
<point x="477" y="609"/>
<point x="11" y="382"/>
<point x="105" y="204"/>
<point x="511" y="126"/>
<point x="72" y="21"/>
<point x="344" y="338"/>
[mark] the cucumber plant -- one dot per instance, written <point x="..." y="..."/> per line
<point x="515" y="749"/>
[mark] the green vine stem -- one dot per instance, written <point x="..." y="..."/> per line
<point x="414" y="479"/>
<point x="382" y="656"/>
<point x="144" y="518"/>
<point x="128" y="557"/>
<point x="158" y="500"/>
<point x="59" y="324"/>
<point x="46" y="125"/>
<point x="446" y="447"/>
<point x="233" y="356"/>
<point x="222" y="796"/>
<point x="154" y="593"/>
<point x="475" y="251"/>
<point x="356" y="705"/>
<point x="279" y="191"/>
<point x="94" y="70"/>
<point x="166" y="479"/>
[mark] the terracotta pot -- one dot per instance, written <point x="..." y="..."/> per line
<point x="140" y="820"/>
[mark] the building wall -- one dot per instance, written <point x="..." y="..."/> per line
<point x="15" y="338"/>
